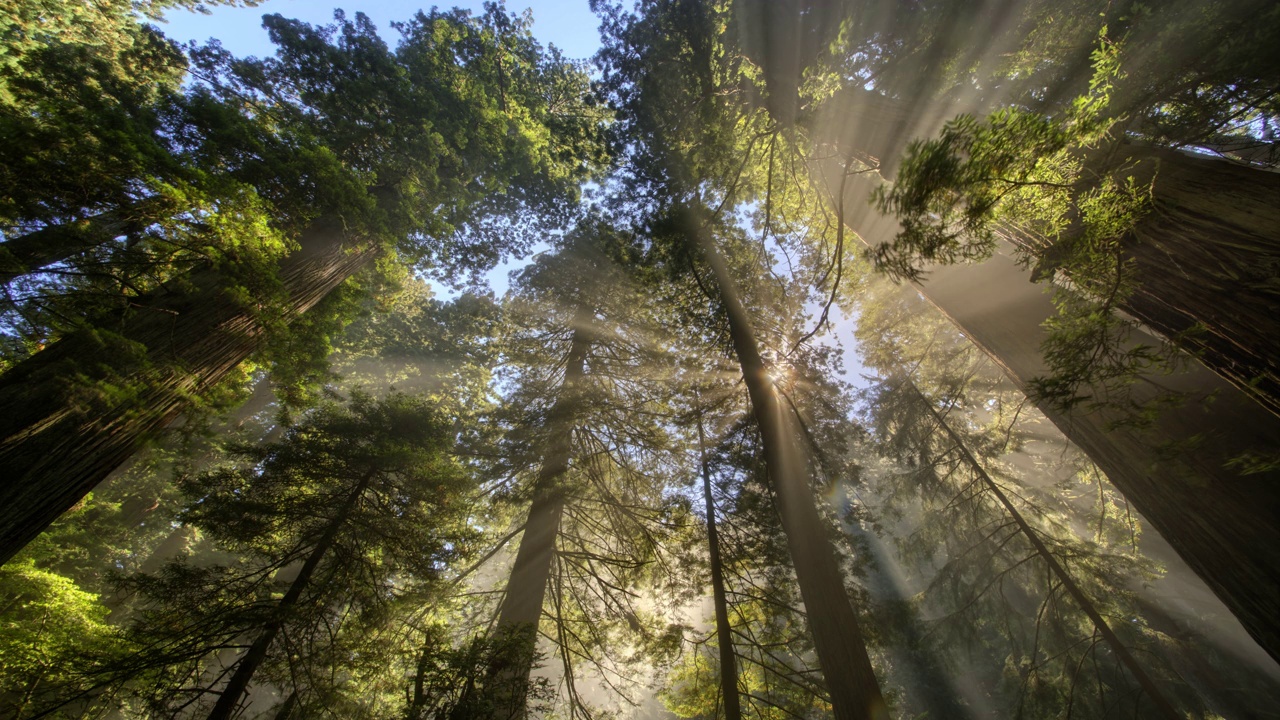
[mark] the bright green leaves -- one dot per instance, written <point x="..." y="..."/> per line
<point x="957" y="193"/>
<point x="1042" y="184"/>
<point x="467" y="117"/>
<point x="952" y="189"/>
<point x="49" y="626"/>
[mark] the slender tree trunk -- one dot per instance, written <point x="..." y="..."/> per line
<point x="51" y="244"/>
<point x="286" y="708"/>
<point x="724" y="634"/>
<point x="231" y="695"/>
<point x="76" y="410"/>
<point x="837" y="634"/>
<point x="527" y="586"/>
<point x="419" y="684"/>
<point x="1162" y="705"/>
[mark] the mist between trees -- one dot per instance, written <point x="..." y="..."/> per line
<point x="253" y="467"/>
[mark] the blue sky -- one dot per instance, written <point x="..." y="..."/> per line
<point x="567" y="24"/>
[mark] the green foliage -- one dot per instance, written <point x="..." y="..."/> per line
<point x="467" y="118"/>
<point x="282" y="498"/>
<point x="1016" y="166"/>
<point x="444" y="146"/>
<point x="258" y="518"/>
<point x="1023" y="177"/>
<point x="444" y="351"/>
<point x="458" y="681"/>
<point x="951" y="188"/>
<point x="49" y="626"/>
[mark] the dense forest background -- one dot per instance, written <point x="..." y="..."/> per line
<point x="849" y="360"/>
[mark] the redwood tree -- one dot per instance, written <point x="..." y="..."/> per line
<point x="434" y="125"/>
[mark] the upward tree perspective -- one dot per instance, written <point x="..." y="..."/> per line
<point x="782" y="359"/>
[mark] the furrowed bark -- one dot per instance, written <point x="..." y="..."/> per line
<point x="1206" y="261"/>
<point x="724" y="633"/>
<point x="229" y="700"/>
<point x="1206" y="256"/>
<point x="78" y="409"/>
<point x="527" y="586"/>
<point x="837" y="634"/>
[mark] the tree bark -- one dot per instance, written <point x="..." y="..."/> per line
<point x="235" y="688"/>
<point x="837" y="634"/>
<point x="78" y="409"/>
<point x="1222" y="523"/>
<point x="1207" y="255"/>
<point x="527" y="586"/>
<point x="724" y="633"/>
<point x="52" y="244"/>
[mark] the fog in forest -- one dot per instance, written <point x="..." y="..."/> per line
<point x="660" y="359"/>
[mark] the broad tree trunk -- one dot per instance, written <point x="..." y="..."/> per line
<point x="837" y="634"/>
<point x="78" y="409"/>
<point x="527" y="586"/>
<point x="51" y="244"/>
<point x="1175" y="472"/>
<point x="1208" y="256"/>
<point x="724" y="633"/>
<point x="235" y="688"/>
<point x="1162" y="706"/>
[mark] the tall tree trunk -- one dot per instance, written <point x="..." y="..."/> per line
<point x="235" y="688"/>
<point x="724" y="633"/>
<point x="1205" y="257"/>
<point x="52" y="244"/>
<point x="527" y="586"/>
<point x="1161" y="704"/>
<point x="1175" y="472"/>
<point x="78" y="409"/>
<point x="286" y="708"/>
<point x="837" y="634"/>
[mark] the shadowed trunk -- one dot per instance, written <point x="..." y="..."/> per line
<point x="837" y="634"/>
<point x="527" y="586"/>
<point x="724" y="633"/>
<point x="78" y="409"/>
<point x="52" y="244"/>
<point x="1207" y="255"/>
<point x="1176" y="472"/>
<point x="229" y="700"/>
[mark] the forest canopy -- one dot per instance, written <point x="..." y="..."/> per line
<point x="784" y="359"/>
